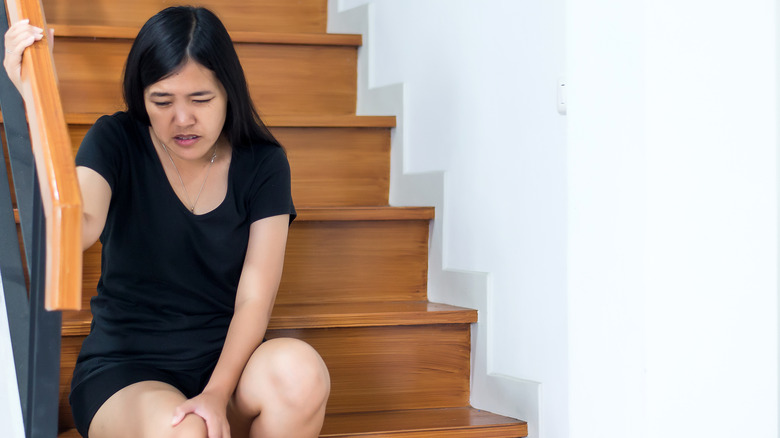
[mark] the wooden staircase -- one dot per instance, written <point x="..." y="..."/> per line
<point x="355" y="276"/>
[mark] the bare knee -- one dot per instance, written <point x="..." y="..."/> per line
<point x="294" y="374"/>
<point x="300" y="376"/>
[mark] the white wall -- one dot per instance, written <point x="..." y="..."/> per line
<point x="673" y="218"/>
<point x="10" y="410"/>
<point x="607" y="215"/>
<point x="629" y="248"/>
<point x="712" y="229"/>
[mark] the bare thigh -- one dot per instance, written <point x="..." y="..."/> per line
<point x="144" y="410"/>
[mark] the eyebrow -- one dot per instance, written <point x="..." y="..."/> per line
<point x="195" y="94"/>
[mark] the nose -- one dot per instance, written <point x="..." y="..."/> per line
<point x="183" y="115"/>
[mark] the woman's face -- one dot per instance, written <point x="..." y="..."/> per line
<point x="187" y="111"/>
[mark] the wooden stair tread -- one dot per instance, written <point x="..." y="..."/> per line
<point x="368" y="314"/>
<point x="381" y="213"/>
<point x="279" y="121"/>
<point x="330" y="315"/>
<point x="378" y="213"/>
<point x="328" y="121"/>
<point x="449" y="422"/>
<point x="122" y="32"/>
<point x="269" y="15"/>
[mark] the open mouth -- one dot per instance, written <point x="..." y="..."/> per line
<point x="186" y="140"/>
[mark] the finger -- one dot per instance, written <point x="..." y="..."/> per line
<point x="20" y="36"/>
<point x="14" y="54"/>
<point x="21" y="30"/>
<point x="214" y="430"/>
<point x="17" y="28"/>
<point x="26" y="42"/>
<point x="17" y="43"/>
<point x="180" y="412"/>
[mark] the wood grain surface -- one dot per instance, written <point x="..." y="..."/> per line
<point x="303" y="16"/>
<point x="283" y="79"/>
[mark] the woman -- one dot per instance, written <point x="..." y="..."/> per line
<point x="190" y="196"/>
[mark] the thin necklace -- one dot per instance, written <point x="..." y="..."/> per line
<point x="213" y="157"/>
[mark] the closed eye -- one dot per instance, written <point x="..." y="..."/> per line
<point x="162" y="104"/>
<point x="203" y="100"/>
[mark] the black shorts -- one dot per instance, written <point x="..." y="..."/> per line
<point x="90" y="393"/>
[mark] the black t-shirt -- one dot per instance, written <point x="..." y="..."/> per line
<point x="169" y="277"/>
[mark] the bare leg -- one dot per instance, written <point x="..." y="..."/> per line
<point x="144" y="410"/>
<point x="282" y="392"/>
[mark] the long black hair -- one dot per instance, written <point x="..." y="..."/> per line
<point x="181" y="33"/>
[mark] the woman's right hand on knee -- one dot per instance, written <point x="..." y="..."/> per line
<point x="20" y="36"/>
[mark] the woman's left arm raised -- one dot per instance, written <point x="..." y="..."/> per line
<point x="257" y="288"/>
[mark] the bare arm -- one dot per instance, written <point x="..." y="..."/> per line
<point x="255" y="297"/>
<point x="96" y="197"/>
<point x="257" y="289"/>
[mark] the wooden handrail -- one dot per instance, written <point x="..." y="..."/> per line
<point x="56" y="169"/>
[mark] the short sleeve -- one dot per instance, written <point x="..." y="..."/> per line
<point x="270" y="193"/>
<point x="99" y="150"/>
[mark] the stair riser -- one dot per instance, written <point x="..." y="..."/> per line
<point x="69" y="351"/>
<point x="357" y="170"/>
<point x="338" y="166"/>
<point x="283" y="79"/>
<point x="305" y="16"/>
<point x="354" y="261"/>
<point x="363" y="364"/>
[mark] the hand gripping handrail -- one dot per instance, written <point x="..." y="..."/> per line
<point x="60" y="193"/>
